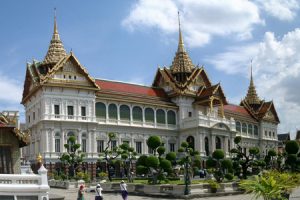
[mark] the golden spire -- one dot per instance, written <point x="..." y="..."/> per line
<point x="56" y="49"/>
<point x="181" y="62"/>
<point x="252" y="97"/>
<point x="180" y="43"/>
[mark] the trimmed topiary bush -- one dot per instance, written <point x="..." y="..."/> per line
<point x="292" y="147"/>
<point x="161" y="150"/>
<point x="152" y="161"/>
<point x="218" y="154"/>
<point x="153" y="142"/>
<point x="237" y="139"/>
<point x="171" y="156"/>
<point x="229" y="176"/>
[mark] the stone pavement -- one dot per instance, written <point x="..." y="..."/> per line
<point x="71" y="194"/>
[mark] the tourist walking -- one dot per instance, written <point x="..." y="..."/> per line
<point x="124" y="192"/>
<point x="80" y="195"/>
<point x="98" y="192"/>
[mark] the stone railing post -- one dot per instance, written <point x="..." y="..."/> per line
<point x="43" y="183"/>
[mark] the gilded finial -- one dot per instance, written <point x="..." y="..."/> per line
<point x="55" y="25"/>
<point x="180" y="44"/>
<point x="39" y="158"/>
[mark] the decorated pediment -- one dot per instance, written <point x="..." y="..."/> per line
<point x="68" y="72"/>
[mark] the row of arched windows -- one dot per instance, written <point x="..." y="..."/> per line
<point x="246" y="128"/>
<point x="137" y="113"/>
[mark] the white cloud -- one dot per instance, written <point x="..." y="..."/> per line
<point x="284" y="10"/>
<point x="276" y="64"/>
<point x="10" y="90"/>
<point x="201" y="19"/>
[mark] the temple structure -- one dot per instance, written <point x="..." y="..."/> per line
<point x="11" y="140"/>
<point x="61" y="99"/>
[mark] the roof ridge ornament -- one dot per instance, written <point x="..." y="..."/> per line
<point x="56" y="49"/>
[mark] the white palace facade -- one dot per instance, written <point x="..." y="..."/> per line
<point x="61" y="99"/>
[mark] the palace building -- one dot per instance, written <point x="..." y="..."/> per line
<point x="61" y="99"/>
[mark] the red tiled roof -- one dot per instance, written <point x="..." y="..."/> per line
<point x="236" y="109"/>
<point x="106" y="85"/>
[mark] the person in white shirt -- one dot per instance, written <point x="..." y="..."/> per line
<point x="124" y="192"/>
<point x="98" y="195"/>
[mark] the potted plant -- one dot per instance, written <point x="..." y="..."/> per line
<point x="214" y="185"/>
<point x="271" y="185"/>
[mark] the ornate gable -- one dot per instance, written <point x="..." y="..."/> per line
<point x="68" y="72"/>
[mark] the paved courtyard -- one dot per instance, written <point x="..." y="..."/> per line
<point x="72" y="194"/>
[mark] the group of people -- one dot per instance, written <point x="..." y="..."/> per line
<point x="98" y="192"/>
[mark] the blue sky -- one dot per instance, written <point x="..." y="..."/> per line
<point x="128" y="40"/>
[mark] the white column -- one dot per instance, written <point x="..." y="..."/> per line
<point x="62" y="148"/>
<point x="202" y="144"/>
<point x="145" y="147"/>
<point x="166" y="118"/>
<point x="52" y="138"/>
<point x="94" y="142"/>
<point x="226" y="146"/>
<point x="155" y="123"/>
<point x="47" y="133"/>
<point x="213" y="143"/>
<point x="90" y="136"/>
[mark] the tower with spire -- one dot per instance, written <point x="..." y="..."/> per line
<point x="252" y="97"/>
<point x="56" y="50"/>
<point x="182" y="65"/>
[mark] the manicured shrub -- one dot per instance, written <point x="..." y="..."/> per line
<point x="142" y="160"/>
<point x="218" y="154"/>
<point x="229" y="176"/>
<point x="291" y="159"/>
<point x="226" y="164"/>
<point x="152" y="161"/>
<point x="140" y="169"/>
<point x="165" y="164"/>
<point x="237" y="139"/>
<point x="254" y="150"/>
<point x="272" y="153"/>
<point x="184" y="144"/>
<point x="171" y="156"/>
<point x="210" y="163"/>
<point x="292" y="147"/>
<point x="153" y="142"/>
<point x="161" y="150"/>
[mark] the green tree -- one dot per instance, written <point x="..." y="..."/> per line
<point x="292" y="161"/>
<point x="157" y="166"/>
<point x="242" y="161"/>
<point x="110" y="154"/>
<point x="73" y="157"/>
<point x="128" y="155"/>
<point x="187" y="160"/>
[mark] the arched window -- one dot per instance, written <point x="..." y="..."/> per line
<point x="112" y="111"/>
<point x="255" y="130"/>
<point x="238" y="126"/>
<point x="218" y="143"/>
<point x="149" y="115"/>
<point x="250" y="129"/>
<point x="244" y="128"/>
<point x="171" y="117"/>
<point x="100" y="110"/>
<point x="57" y="142"/>
<point x="206" y="146"/>
<point x="191" y="141"/>
<point x="137" y="114"/>
<point x="124" y="112"/>
<point x="160" y="116"/>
